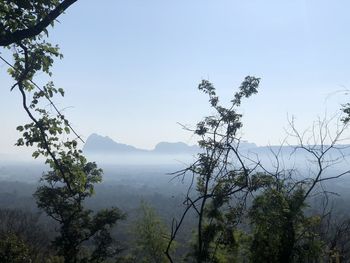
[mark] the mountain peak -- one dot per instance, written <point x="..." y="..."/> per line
<point x="98" y="144"/>
<point x="97" y="137"/>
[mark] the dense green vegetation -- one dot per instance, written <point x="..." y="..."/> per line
<point x="18" y="205"/>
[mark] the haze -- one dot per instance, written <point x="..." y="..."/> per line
<point x="131" y="68"/>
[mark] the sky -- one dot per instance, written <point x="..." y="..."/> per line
<point x="131" y="68"/>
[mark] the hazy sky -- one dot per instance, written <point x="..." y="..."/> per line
<point x="131" y="67"/>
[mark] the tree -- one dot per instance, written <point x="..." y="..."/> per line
<point x="63" y="201"/>
<point x="281" y="229"/>
<point x="71" y="179"/>
<point x="282" y="232"/>
<point x="25" y="226"/>
<point x="25" y="19"/>
<point x="13" y="250"/>
<point x="151" y="236"/>
<point x="223" y="178"/>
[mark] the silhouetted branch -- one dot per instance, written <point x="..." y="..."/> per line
<point x="8" y="38"/>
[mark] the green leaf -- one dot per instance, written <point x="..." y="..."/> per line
<point x="61" y="91"/>
<point x="35" y="154"/>
<point x="20" y="128"/>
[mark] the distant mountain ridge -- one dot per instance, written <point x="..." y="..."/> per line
<point x="103" y="144"/>
<point x="105" y="150"/>
<point x="97" y="143"/>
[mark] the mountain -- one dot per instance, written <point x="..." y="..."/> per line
<point x="106" y="150"/>
<point x="103" y="144"/>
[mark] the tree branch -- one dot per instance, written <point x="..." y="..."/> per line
<point x="14" y="37"/>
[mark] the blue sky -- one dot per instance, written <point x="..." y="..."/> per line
<point x="131" y="68"/>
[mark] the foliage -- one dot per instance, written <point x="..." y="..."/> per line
<point x="65" y="205"/>
<point x="71" y="179"/>
<point x="13" y="249"/>
<point x="151" y="236"/>
<point x="281" y="231"/>
<point x="346" y="111"/>
<point x="26" y="227"/>
<point x="335" y="231"/>
<point x="220" y="173"/>
<point x="24" y="19"/>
